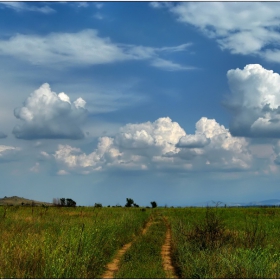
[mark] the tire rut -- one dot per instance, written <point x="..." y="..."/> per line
<point x="113" y="266"/>
<point x="166" y="255"/>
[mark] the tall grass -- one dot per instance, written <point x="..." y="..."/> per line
<point x="41" y="242"/>
<point x="63" y="242"/>
<point x="226" y="243"/>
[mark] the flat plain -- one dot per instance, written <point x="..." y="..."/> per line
<point x="80" y="242"/>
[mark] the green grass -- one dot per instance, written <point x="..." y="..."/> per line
<point x="63" y="242"/>
<point x="38" y="242"/>
<point x="143" y="259"/>
<point x="226" y="243"/>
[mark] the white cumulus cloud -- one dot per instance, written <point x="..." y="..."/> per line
<point x="161" y="135"/>
<point x="8" y="153"/>
<point x="213" y="147"/>
<point x="135" y="147"/>
<point x="46" y="114"/>
<point x="162" y="144"/>
<point x="254" y="101"/>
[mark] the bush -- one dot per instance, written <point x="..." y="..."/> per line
<point x="210" y="233"/>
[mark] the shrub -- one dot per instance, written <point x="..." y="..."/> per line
<point x="209" y="233"/>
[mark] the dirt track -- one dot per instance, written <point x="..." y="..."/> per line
<point x="113" y="266"/>
<point x="166" y="256"/>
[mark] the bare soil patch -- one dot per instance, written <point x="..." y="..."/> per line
<point x="113" y="266"/>
<point x="166" y="255"/>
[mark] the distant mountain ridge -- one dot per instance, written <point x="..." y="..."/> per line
<point x="16" y="200"/>
<point x="268" y="202"/>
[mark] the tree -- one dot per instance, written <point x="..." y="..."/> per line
<point x="154" y="204"/>
<point x="62" y="202"/>
<point x="70" y="202"/>
<point x="129" y="202"/>
<point x="99" y="205"/>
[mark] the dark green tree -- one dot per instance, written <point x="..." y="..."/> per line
<point x="62" y="202"/>
<point x="154" y="204"/>
<point x="99" y="205"/>
<point x="129" y="202"/>
<point x="70" y="202"/>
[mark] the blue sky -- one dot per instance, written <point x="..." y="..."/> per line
<point x="176" y="102"/>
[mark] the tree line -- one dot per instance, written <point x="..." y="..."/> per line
<point x="68" y="202"/>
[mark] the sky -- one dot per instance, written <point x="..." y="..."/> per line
<point x="173" y="102"/>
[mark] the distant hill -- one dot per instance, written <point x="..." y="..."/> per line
<point x="269" y="202"/>
<point x="266" y="202"/>
<point x="15" y="200"/>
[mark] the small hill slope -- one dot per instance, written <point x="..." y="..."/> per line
<point x="15" y="200"/>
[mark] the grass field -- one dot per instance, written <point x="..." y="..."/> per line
<point x="66" y="242"/>
<point x="226" y="243"/>
<point x="39" y="242"/>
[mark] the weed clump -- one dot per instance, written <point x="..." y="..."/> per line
<point x="210" y="233"/>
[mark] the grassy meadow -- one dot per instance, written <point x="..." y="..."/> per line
<point x="63" y="242"/>
<point x="226" y="242"/>
<point x="66" y="242"/>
